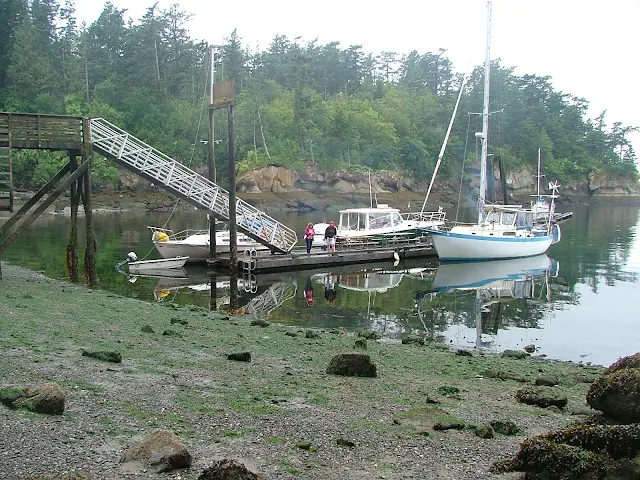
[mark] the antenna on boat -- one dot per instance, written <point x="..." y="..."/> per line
<point x="370" y="195"/>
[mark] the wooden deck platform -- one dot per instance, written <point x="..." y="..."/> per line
<point x="299" y="260"/>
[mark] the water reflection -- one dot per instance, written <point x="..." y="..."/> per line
<point x="586" y="310"/>
<point x="486" y="289"/>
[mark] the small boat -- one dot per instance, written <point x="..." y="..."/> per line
<point x="195" y="243"/>
<point x="156" y="266"/>
<point x="377" y="223"/>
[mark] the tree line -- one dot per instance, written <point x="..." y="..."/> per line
<point x="298" y="103"/>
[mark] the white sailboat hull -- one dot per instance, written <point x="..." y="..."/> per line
<point x="453" y="246"/>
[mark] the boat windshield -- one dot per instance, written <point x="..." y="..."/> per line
<point x="397" y="219"/>
<point x="379" y="220"/>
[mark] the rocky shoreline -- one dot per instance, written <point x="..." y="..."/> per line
<point x="231" y="390"/>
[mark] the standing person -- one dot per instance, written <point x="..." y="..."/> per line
<point x="308" y="237"/>
<point x="330" y="237"/>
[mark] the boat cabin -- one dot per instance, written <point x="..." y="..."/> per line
<point x="508" y="216"/>
<point x="367" y="219"/>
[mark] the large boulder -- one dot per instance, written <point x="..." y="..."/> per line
<point x="161" y="449"/>
<point x="352" y="365"/>
<point x="578" y="452"/>
<point x="632" y="361"/>
<point x="49" y="398"/>
<point x="617" y="395"/>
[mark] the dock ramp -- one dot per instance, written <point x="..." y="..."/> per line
<point x="149" y="163"/>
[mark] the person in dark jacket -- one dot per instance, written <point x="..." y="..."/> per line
<point x="330" y="237"/>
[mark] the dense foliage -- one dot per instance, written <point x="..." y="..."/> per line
<point x="297" y="104"/>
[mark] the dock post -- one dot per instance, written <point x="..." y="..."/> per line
<point x="233" y="233"/>
<point x="72" y="247"/>
<point x="90" y="252"/>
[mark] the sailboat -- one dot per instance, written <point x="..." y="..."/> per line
<point x="502" y="231"/>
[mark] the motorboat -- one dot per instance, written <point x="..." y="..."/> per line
<point x="378" y="223"/>
<point x="195" y="244"/>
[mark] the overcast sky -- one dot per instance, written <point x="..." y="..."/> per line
<point x="588" y="47"/>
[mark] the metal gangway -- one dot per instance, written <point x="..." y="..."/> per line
<point x="149" y="163"/>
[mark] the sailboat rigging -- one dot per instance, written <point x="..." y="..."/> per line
<point x="502" y="231"/>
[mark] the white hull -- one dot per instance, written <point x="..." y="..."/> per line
<point x="196" y="246"/>
<point x="452" y="246"/>
<point x="145" y="266"/>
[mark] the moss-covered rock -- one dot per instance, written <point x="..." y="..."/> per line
<point x="161" y="449"/>
<point x="504" y="427"/>
<point x="514" y="354"/>
<point x="228" y="470"/>
<point x="105" y="356"/>
<point x="578" y="452"/>
<point x="484" y="431"/>
<point x="617" y="395"/>
<point x="360" y="343"/>
<point x="547" y="381"/>
<point x="369" y="335"/>
<point x="542" y="397"/>
<point x="240" y="356"/>
<point x="352" y="365"/>
<point x="49" y="399"/>
<point x="8" y="395"/>
<point x="421" y="420"/>
<point x="632" y="361"/>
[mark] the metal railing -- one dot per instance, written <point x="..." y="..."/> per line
<point x="152" y="164"/>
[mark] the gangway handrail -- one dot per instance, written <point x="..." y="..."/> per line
<point x="149" y="163"/>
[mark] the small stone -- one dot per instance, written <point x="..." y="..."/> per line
<point x="259" y="323"/>
<point x="530" y="348"/>
<point x="240" y="357"/>
<point x="341" y="442"/>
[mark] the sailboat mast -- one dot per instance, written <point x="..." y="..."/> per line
<point x="485" y="120"/>
<point x="539" y="173"/>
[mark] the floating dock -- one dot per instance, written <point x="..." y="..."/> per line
<point x="297" y="259"/>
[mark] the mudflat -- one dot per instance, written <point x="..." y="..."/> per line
<point x="281" y="413"/>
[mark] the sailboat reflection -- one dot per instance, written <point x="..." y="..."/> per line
<point x="495" y="283"/>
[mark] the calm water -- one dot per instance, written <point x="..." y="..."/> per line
<point x="578" y="303"/>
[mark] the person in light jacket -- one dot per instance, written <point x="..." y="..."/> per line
<point x="308" y="237"/>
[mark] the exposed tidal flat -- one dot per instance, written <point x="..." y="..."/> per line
<point x="280" y="414"/>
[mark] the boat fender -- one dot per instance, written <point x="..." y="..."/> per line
<point x="557" y="234"/>
<point x="160" y="237"/>
<point x="132" y="257"/>
<point x="396" y="257"/>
